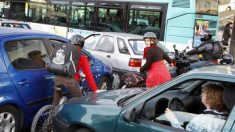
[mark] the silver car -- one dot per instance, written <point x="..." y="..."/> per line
<point x="123" y="51"/>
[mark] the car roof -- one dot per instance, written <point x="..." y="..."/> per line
<point x="124" y="35"/>
<point x="6" y="32"/>
<point x="215" y="70"/>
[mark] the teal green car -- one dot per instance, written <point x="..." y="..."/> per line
<point x="142" y="110"/>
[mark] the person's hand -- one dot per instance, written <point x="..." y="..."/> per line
<point x="170" y="115"/>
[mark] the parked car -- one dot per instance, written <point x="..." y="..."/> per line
<point x="25" y="84"/>
<point x="14" y="24"/>
<point x="123" y="51"/>
<point x="138" y="110"/>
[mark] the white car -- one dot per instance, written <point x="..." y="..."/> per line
<point x="123" y="51"/>
<point x="14" y="24"/>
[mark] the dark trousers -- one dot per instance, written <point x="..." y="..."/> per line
<point x="70" y="83"/>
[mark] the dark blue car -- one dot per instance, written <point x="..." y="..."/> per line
<point x="25" y="85"/>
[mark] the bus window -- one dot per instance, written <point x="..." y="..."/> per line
<point x="37" y="12"/>
<point x="110" y="19"/>
<point x="144" y="21"/>
<point x="207" y="7"/>
<point x="82" y="17"/>
<point x="57" y="14"/>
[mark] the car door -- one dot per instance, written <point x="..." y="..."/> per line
<point x="104" y="50"/>
<point x="25" y="61"/>
<point x="123" y="54"/>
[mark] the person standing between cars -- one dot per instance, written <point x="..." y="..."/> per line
<point x="157" y="70"/>
<point x="68" y="74"/>
<point x="206" y="49"/>
<point x="227" y="33"/>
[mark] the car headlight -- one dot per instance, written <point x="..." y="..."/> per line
<point x="62" y="101"/>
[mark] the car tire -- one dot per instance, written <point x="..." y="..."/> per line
<point x="9" y="119"/>
<point x="83" y="130"/>
<point x="105" y="84"/>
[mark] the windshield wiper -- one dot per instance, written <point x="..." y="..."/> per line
<point x="121" y="101"/>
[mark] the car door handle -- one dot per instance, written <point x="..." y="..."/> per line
<point x="24" y="82"/>
<point x="49" y="77"/>
<point x="108" y="56"/>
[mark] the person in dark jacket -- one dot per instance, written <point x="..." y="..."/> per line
<point x="227" y="33"/>
<point x="157" y="70"/>
<point x="72" y="83"/>
<point x="206" y="49"/>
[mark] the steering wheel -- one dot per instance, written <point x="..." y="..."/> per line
<point x="175" y="104"/>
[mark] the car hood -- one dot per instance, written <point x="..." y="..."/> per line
<point x="110" y="97"/>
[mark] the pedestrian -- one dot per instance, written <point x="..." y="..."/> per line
<point x="67" y="60"/>
<point x="157" y="70"/>
<point x="227" y="33"/>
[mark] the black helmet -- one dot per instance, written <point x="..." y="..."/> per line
<point x="77" y="40"/>
<point x="226" y="59"/>
<point x="206" y="35"/>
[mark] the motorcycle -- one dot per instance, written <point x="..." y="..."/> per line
<point x="182" y="62"/>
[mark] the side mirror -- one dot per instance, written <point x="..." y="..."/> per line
<point x="132" y="114"/>
<point x="174" y="46"/>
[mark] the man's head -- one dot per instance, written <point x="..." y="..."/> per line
<point x="206" y="35"/>
<point x="77" y="40"/>
<point x="150" y="38"/>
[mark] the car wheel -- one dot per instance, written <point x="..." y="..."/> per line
<point x="83" y="130"/>
<point x="9" y="119"/>
<point x="105" y="84"/>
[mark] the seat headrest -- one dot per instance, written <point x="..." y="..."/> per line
<point x="229" y="96"/>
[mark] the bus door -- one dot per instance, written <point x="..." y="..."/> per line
<point x="110" y="17"/>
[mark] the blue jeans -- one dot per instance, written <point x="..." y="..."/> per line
<point x="201" y="64"/>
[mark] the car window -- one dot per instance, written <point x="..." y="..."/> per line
<point x="27" y="54"/>
<point x="106" y="44"/>
<point x="16" y="25"/>
<point x="91" y="41"/>
<point x="137" y="46"/>
<point x="122" y="46"/>
<point x="183" y="105"/>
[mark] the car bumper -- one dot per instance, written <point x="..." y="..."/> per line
<point x="59" y="126"/>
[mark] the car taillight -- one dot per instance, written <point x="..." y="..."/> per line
<point x="135" y="62"/>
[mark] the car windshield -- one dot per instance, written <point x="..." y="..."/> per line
<point x="90" y="41"/>
<point x="139" y="45"/>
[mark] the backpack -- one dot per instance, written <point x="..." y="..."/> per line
<point x="217" y="50"/>
<point x="63" y="60"/>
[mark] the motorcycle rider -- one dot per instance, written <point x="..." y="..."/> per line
<point x="157" y="70"/>
<point x="205" y="49"/>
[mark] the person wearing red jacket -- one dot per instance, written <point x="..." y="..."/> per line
<point x="83" y="64"/>
<point x="72" y="83"/>
<point x="157" y="70"/>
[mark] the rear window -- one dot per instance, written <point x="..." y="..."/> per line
<point x="139" y="45"/>
<point x="90" y="41"/>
